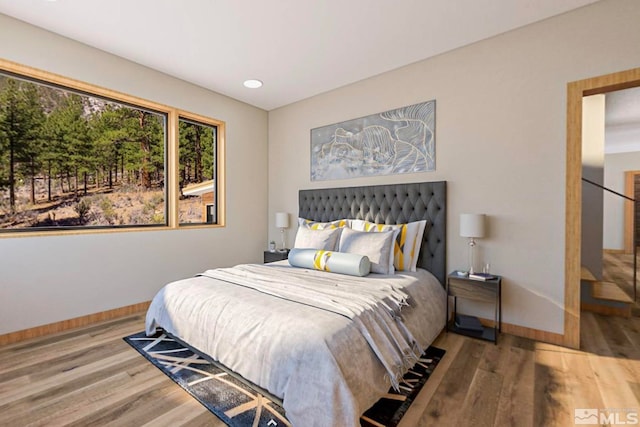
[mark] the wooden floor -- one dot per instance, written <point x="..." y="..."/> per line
<point x="91" y="377"/>
<point x="618" y="268"/>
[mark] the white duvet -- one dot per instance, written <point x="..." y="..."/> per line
<point x="320" y="341"/>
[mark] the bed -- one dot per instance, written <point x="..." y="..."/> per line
<point x="327" y="366"/>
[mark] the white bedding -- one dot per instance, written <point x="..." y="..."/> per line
<point x="316" y="359"/>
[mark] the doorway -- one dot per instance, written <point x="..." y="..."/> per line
<point x="573" y="196"/>
<point x="631" y="224"/>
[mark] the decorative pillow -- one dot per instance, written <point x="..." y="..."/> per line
<point x="425" y="228"/>
<point x="335" y="262"/>
<point x="378" y="247"/>
<point x="315" y="225"/>
<point x="408" y="241"/>
<point x="326" y="239"/>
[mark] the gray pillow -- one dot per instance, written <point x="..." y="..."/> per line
<point x="378" y="247"/>
<point x="334" y="262"/>
<point x="326" y="240"/>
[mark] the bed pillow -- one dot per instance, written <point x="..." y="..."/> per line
<point x="334" y="262"/>
<point x="408" y="241"/>
<point x="326" y="239"/>
<point x="424" y="229"/>
<point x="378" y="247"/>
<point x="316" y="225"/>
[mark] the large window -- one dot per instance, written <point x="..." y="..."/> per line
<point x="74" y="156"/>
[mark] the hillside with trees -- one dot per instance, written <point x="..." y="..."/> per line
<point x="75" y="160"/>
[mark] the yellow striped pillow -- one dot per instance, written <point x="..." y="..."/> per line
<point x="315" y="225"/>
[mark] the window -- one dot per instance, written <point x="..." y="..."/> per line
<point x="78" y="157"/>
<point x="197" y="172"/>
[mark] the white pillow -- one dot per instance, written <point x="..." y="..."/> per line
<point x="378" y="247"/>
<point x="408" y="241"/>
<point x="326" y="240"/>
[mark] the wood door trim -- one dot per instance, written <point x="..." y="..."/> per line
<point x="573" y="194"/>
<point x="629" y="186"/>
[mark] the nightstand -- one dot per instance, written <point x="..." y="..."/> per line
<point x="275" y="256"/>
<point x="478" y="290"/>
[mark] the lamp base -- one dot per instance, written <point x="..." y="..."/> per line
<point x="284" y="245"/>
<point x="472" y="244"/>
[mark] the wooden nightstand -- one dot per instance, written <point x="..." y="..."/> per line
<point x="275" y="256"/>
<point x="478" y="290"/>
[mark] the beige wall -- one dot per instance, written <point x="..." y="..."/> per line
<point x="47" y="279"/>
<point x="500" y="141"/>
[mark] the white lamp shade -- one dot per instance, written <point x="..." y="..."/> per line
<point x="282" y="220"/>
<point x="472" y="225"/>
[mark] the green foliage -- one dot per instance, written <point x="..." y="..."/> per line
<point x="158" y="218"/>
<point x="149" y="208"/>
<point x="21" y="120"/>
<point x="76" y="141"/>
<point x="197" y="144"/>
<point x="109" y="213"/>
<point x="82" y="208"/>
<point x="157" y="199"/>
<point x="69" y="148"/>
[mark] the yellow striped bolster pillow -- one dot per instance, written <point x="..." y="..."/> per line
<point x="334" y="262"/>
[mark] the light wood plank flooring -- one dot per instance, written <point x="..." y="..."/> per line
<point x="618" y="268"/>
<point x="91" y="377"/>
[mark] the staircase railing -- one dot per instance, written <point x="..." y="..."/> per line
<point x="635" y="246"/>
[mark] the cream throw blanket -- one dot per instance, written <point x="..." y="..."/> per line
<point x="319" y="361"/>
<point x="375" y="309"/>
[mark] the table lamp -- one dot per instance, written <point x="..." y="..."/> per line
<point x="471" y="226"/>
<point x="282" y="222"/>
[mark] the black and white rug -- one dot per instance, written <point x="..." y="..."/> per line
<point x="239" y="404"/>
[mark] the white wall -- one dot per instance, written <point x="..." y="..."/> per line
<point x="500" y="141"/>
<point x="593" y="108"/>
<point x="615" y="166"/>
<point x="623" y="138"/>
<point x="48" y="279"/>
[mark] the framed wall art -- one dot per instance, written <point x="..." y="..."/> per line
<point x="393" y="142"/>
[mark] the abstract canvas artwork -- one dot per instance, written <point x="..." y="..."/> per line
<point x="394" y="142"/>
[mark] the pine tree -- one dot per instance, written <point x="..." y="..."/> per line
<point x="196" y="152"/>
<point x="30" y="158"/>
<point x="108" y="132"/>
<point x="21" y="119"/>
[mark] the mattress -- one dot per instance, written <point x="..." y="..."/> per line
<point x="317" y="360"/>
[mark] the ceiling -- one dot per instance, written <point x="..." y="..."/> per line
<point x="622" y="121"/>
<point x="298" y="48"/>
<point x="623" y="107"/>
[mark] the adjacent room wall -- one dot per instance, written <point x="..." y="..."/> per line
<point x="500" y="142"/>
<point x="48" y="279"/>
<point x="593" y="108"/>
<point x="615" y="165"/>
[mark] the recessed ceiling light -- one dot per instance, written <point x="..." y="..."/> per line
<point x="252" y="83"/>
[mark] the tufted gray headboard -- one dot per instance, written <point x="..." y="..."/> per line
<point x="388" y="204"/>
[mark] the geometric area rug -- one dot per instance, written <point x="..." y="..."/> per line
<point x="239" y="403"/>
